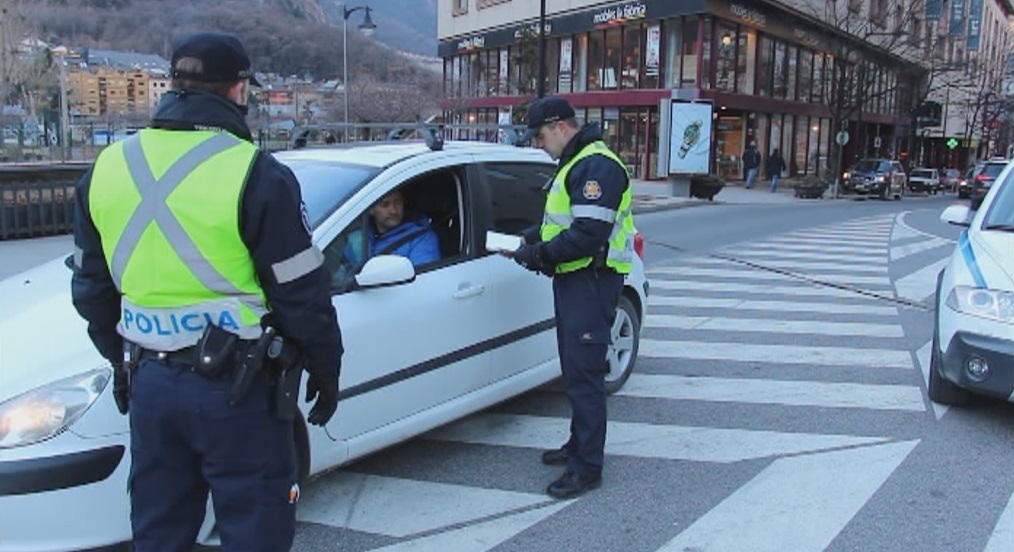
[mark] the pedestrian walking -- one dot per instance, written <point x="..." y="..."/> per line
<point x="751" y="162"/>
<point x="194" y="258"/>
<point x="586" y="246"/>
<point x="775" y="166"/>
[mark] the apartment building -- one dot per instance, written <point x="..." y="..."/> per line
<point x="769" y="67"/>
<point x="103" y="83"/>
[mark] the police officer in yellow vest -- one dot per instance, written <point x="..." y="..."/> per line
<point x="587" y="247"/>
<point x="192" y="248"/>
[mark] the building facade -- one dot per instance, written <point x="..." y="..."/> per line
<point x="768" y="67"/>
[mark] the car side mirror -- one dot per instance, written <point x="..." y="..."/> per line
<point x="956" y="214"/>
<point x="385" y="270"/>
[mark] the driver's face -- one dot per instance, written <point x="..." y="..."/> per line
<point x="389" y="211"/>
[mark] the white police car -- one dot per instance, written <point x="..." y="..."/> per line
<point x="973" y="338"/>
<point x="423" y="347"/>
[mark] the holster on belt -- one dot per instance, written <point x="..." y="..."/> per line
<point x="286" y="372"/>
<point x="216" y="352"/>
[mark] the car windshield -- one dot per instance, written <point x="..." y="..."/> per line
<point x="326" y="185"/>
<point x="992" y="170"/>
<point x="868" y="166"/>
<point x="953" y="173"/>
<point x="1001" y="211"/>
<point x="922" y="174"/>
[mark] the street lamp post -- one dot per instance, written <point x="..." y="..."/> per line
<point x="541" y="85"/>
<point x="367" y="27"/>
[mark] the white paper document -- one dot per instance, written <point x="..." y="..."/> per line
<point x="495" y="241"/>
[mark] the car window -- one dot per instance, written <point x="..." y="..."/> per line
<point x="518" y="195"/>
<point x="431" y="233"/>
<point x="1001" y="210"/>
<point x="866" y="166"/>
<point x="993" y="169"/>
<point x="326" y="185"/>
<point x="922" y="174"/>
<point x="953" y="173"/>
<point x="884" y="166"/>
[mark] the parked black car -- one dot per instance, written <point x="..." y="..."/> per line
<point x="881" y="177"/>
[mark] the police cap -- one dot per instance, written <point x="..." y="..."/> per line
<point x="222" y="56"/>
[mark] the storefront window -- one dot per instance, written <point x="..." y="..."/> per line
<point x="775" y="137"/>
<point x="689" y="53"/>
<point x="729" y="145"/>
<point x="580" y="63"/>
<point x="792" y="67"/>
<point x="611" y="65"/>
<point x="651" y="132"/>
<point x="566" y="68"/>
<point x="448" y="76"/>
<point x="781" y="71"/>
<point x="817" y="90"/>
<point x="552" y="64"/>
<point x="503" y="80"/>
<point x="673" y="43"/>
<point x="825" y="147"/>
<point x="627" y="141"/>
<point x="805" y="74"/>
<point x="631" y="57"/>
<point x="725" y="57"/>
<point x="813" y="150"/>
<point x="611" y="126"/>
<point x="652" y="58"/>
<point x="595" y="59"/>
<point x="765" y="67"/>
<point x="802" y="135"/>
<point x="707" y="67"/>
<point x="745" y="61"/>
<point x="788" y="124"/>
<point x="762" y="137"/>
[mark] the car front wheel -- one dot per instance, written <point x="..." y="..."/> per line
<point x="626" y="337"/>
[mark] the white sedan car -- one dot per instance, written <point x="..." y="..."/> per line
<point x="973" y="339"/>
<point x="424" y="346"/>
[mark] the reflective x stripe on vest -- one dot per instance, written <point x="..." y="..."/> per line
<point x="560" y="214"/>
<point x="173" y="279"/>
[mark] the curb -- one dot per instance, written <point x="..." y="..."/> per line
<point x="666" y="205"/>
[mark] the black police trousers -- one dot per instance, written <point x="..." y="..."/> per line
<point x="185" y="440"/>
<point x="585" y="301"/>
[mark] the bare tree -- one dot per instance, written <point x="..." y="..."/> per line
<point x="872" y="34"/>
<point x="372" y="101"/>
<point x="982" y="96"/>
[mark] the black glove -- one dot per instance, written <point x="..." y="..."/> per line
<point x="121" y="388"/>
<point x="326" y="394"/>
<point x="530" y="257"/>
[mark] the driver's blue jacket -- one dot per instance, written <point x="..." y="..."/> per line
<point x="423" y="246"/>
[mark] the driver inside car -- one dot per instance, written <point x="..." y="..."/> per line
<point x="390" y="232"/>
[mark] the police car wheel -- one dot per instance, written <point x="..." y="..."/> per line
<point x="621" y="355"/>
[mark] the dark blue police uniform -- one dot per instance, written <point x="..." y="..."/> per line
<point x="185" y="438"/>
<point x="585" y="300"/>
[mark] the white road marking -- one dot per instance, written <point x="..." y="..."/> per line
<point x="830" y="249"/>
<point x="480" y="536"/>
<point x="921" y="284"/>
<point x="657" y="300"/>
<point x="764" y="391"/>
<point x="1002" y="539"/>
<point x="400" y="507"/>
<point x="672" y="442"/>
<point x="770" y="325"/>
<point x="811" y="256"/>
<point x="762" y="289"/>
<point x="922" y="356"/>
<point x="798" y="265"/>
<point x="756" y="274"/>
<point x="796" y="504"/>
<point x="902" y="251"/>
<point x="776" y="354"/>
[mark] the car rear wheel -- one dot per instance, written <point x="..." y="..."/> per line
<point x="626" y="337"/>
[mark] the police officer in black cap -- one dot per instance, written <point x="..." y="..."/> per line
<point x="586" y="245"/>
<point x="193" y="246"/>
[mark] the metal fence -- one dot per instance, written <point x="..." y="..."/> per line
<point x="37" y="200"/>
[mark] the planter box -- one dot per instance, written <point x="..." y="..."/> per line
<point x="706" y="187"/>
<point x="810" y="189"/>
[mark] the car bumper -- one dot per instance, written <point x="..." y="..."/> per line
<point x="868" y="187"/>
<point x="998" y="353"/>
<point x="65" y="494"/>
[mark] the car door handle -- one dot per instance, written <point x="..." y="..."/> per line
<point x="466" y="292"/>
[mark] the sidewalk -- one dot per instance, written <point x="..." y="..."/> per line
<point x="653" y="195"/>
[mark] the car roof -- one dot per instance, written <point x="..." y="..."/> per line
<point x="385" y="154"/>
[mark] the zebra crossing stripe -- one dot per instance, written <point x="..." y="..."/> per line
<point x="830" y="249"/>
<point x="765" y="391"/>
<point x="921" y="284"/>
<point x="923" y="356"/>
<point x="813" y="256"/>
<point x="902" y="251"/>
<point x="776" y="354"/>
<point x="1002" y="539"/>
<point x="398" y="507"/>
<point x="868" y="244"/>
<point x="772" y="325"/>
<point x="798" y="265"/>
<point x="861" y="234"/>
<point x="658" y="300"/>
<point x="766" y="290"/>
<point x="669" y="442"/>
<point x="797" y="504"/>
<point x="756" y="274"/>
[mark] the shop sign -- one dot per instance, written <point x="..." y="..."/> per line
<point x="805" y="37"/>
<point x="532" y="30"/>
<point x="472" y="43"/>
<point x="748" y="15"/>
<point x="625" y="12"/>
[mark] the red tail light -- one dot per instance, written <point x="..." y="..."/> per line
<point x="981" y="178"/>
<point x="639" y="245"/>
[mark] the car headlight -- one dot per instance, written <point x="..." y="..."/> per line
<point x="47" y="411"/>
<point x="992" y="304"/>
<point x="879" y="179"/>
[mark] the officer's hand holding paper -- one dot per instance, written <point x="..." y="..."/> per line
<point x="502" y="243"/>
